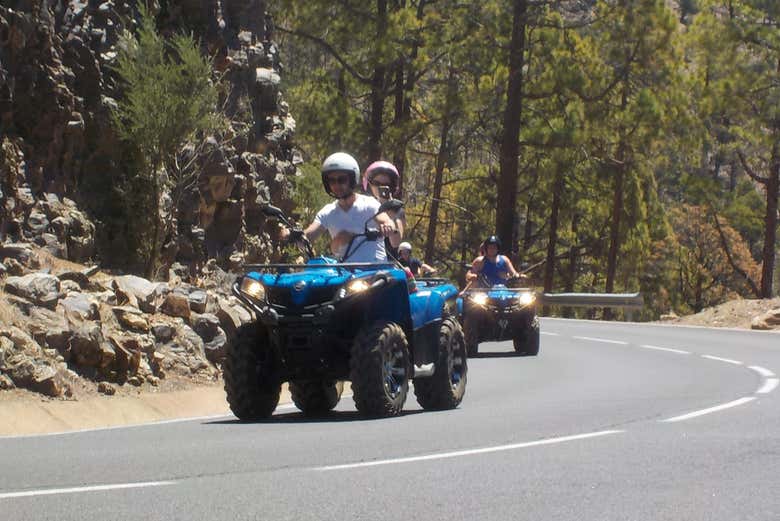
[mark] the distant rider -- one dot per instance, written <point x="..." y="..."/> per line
<point x="382" y="180"/>
<point x="346" y="216"/>
<point x="417" y="267"/>
<point x="495" y="268"/>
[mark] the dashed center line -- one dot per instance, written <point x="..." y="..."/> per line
<point x="75" y="490"/>
<point x="550" y="334"/>
<point x="709" y="410"/>
<point x="604" y="340"/>
<point x="719" y="359"/>
<point x="766" y="373"/>
<point x="469" y="452"/>
<point x="669" y="349"/>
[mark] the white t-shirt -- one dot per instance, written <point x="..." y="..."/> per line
<point x="336" y="219"/>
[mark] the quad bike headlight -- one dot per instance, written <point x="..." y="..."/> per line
<point x="357" y="286"/>
<point x="479" y="299"/>
<point x="526" y="299"/>
<point x="353" y="287"/>
<point x="252" y="288"/>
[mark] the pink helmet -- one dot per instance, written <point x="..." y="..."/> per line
<point x="382" y="167"/>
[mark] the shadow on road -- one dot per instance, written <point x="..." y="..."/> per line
<point x="298" y="417"/>
<point x="507" y="354"/>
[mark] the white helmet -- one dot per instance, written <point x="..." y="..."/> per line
<point x="342" y="162"/>
<point x="405" y="246"/>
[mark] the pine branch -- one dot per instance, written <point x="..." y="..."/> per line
<point x="328" y="47"/>
<point x="757" y="178"/>
<point x="727" y="250"/>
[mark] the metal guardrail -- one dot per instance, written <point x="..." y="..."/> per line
<point x="595" y="300"/>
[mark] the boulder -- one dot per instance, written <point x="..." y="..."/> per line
<point x="21" y="340"/>
<point x="198" y="300"/>
<point x="215" y="348"/>
<point x="176" y="305"/>
<point x="232" y="315"/>
<point x="136" y="291"/>
<point x="163" y="332"/>
<point x="106" y="388"/>
<point x="206" y="326"/>
<point x="79" y="306"/>
<point x="131" y="318"/>
<point x="20" y="252"/>
<point x="50" y="329"/>
<point x="40" y="288"/>
<point x="89" y="348"/>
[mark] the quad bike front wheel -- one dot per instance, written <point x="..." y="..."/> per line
<point x="527" y="342"/>
<point x="446" y="387"/>
<point x="471" y="333"/>
<point x="379" y="369"/>
<point x="251" y="382"/>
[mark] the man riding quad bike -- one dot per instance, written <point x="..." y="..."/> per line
<point x="332" y="320"/>
<point x="495" y="307"/>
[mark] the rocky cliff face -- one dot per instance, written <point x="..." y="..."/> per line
<point x="60" y="161"/>
<point x="64" y="326"/>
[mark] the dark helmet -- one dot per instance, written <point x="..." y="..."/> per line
<point x="493" y="239"/>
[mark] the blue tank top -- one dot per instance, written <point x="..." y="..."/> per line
<point x="491" y="270"/>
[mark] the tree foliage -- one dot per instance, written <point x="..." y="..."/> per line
<point x="169" y="101"/>
<point x="647" y="134"/>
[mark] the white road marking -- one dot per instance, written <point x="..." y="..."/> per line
<point x="620" y="342"/>
<point x="719" y="359"/>
<point x="669" y="349"/>
<point x="766" y="373"/>
<point x="550" y="334"/>
<point x="469" y="452"/>
<point x="702" y="412"/>
<point x="75" y="490"/>
<point x="769" y="385"/>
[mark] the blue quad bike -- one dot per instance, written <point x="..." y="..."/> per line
<point x="324" y="322"/>
<point x="500" y="312"/>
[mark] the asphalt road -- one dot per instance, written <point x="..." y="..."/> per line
<point x="610" y="422"/>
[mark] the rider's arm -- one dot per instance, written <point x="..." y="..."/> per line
<point x="476" y="268"/>
<point x="511" y="271"/>
<point x="389" y="229"/>
<point x="426" y="269"/>
<point x="314" y="230"/>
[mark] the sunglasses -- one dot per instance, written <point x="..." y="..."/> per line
<point x="340" y="180"/>
<point x="377" y="183"/>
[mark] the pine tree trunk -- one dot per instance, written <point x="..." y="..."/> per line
<point x="154" y="252"/>
<point x="770" y="225"/>
<point x="442" y="159"/>
<point x="510" y="140"/>
<point x="378" y="92"/>
<point x="552" y="240"/>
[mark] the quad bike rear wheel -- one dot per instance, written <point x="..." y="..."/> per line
<point x="316" y="397"/>
<point x="446" y="387"/>
<point x="379" y="369"/>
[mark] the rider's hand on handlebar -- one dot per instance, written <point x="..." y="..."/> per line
<point x="387" y="230"/>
